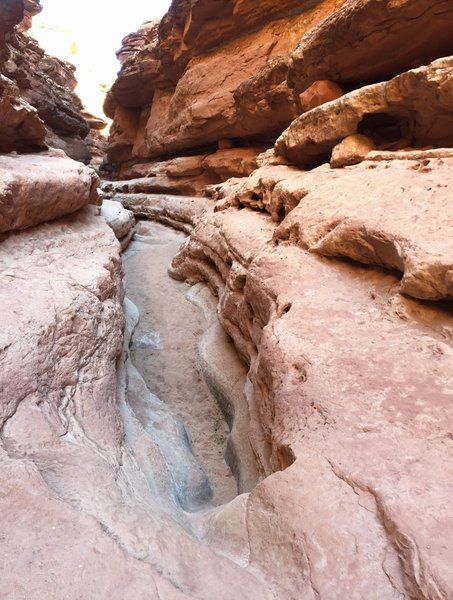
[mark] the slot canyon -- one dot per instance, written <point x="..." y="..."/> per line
<point x="226" y="340"/>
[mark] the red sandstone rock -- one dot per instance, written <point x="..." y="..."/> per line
<point x="21" y="129"/>
<point x="227" y="82"/>
<point x="45" y="83"/>
<point x="413" y="109"/>
<point x="396" y="215"/>
<point x="319" y="93"/>
<point x="366" y="41"/>
<point x="179" y="212"/>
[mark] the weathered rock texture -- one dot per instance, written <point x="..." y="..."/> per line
<point x="334" y="285"/>
<point x="38" y="106"/>
<point x="367" y="41"/>
<point x="179" y="212"/>
<point x="351" y="399"/>
<point x="327" y="287"/>
<point x="206" y="73"/>
<point x="414" y="109"/>
<point x="37" y="187"/>
<point x="395" y="214"/>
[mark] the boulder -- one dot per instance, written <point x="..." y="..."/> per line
<point x="319" y="93"/>
<point x="352" y="150"/>
<point x="35" y="188"/>
<point x="121" y="221"/>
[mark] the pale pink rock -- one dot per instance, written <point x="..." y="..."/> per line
<point x="397" y="215"/>
<point x="39" y="187"/>
<point x="351" y="404"/>
<point x="88" y="486"/>
<point x="121" y="221"/>
<point x="179" y="212"/>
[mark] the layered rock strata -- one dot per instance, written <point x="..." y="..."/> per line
<point x="350" y="403"/>
<point x="349" y="365"/>
<point x="179" y="212"/>
<point x="394" y="214"/>
<point x="38" y="106"/>
<point x="205" y="74"/>
<point x="253" y="70"/>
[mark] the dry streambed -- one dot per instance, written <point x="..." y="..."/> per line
<point x="164" y="350"/>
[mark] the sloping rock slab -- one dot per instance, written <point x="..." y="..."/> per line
<point x="38" y="187"/>
<point x="398" y="215"/>
<point x="180" y="212"/>
<point x="352" y="398"/>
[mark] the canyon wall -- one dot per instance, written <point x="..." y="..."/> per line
<point x="330" y="254"/>
<point x="38" y="106"/>
<point x="306" y="149"/>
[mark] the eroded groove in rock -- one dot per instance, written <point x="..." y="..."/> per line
<point x="304" y="326"/>
<point x="305" y="148"/>
<point x="164" y="351"/>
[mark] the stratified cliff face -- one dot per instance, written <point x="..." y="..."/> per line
<point x="206" y="74"/>
<point x="38" y="106"/>
<point x="235" y="74"/>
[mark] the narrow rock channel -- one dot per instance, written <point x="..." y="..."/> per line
<point x="164" y="350"/>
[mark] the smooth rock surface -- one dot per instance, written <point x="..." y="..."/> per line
<point x="88" y="485"/>
<point x="121" y="220"/>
